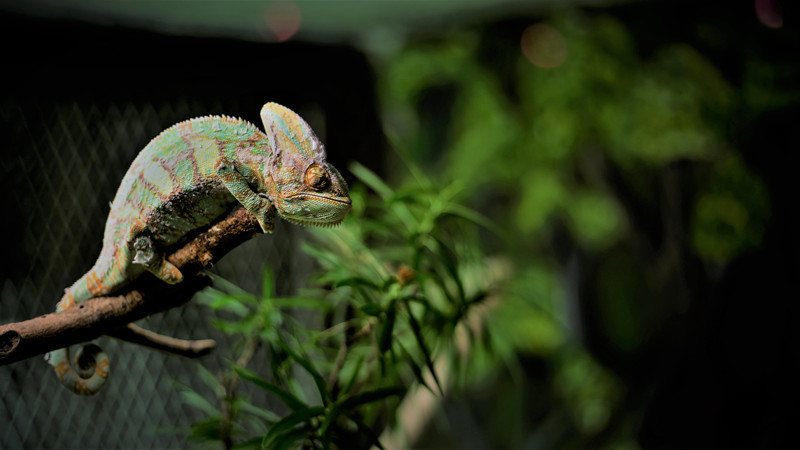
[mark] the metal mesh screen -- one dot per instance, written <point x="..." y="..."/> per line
<point x="59" y="172"/>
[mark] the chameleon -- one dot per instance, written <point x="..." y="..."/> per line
<point x="187" y="178"/>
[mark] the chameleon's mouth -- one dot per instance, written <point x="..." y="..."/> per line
<point x="324" y="198"/>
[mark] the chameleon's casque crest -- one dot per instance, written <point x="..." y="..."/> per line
<point x="187" y="178"/>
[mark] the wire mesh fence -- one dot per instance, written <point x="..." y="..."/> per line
<point x="60" y="170"/>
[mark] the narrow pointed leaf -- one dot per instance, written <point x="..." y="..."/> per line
<point x="357" y="281"/>
<point x="385" y="341"/>
<point x="372" y="180"/>
<point x="194" y="399"/>
<point x="371" y="396"/>
<point x="209" y="378"/>
<point x="371" y="309"/>
<point x="354" y="376"/>
<point x="412" y="364"/>
<point x="475" y="217"/>
<point x="331" y="415"/>
<point x="290" y="400"/>
<point x="267" y="285"/>
<point x="425" y="353"/>
<point x="265" y="415"/>
<point x="287" y="439"/>
<point x="289" y="422"/>
<point x="450" y="260"/>
<point x="366" y="431"/>
<point x="320" y="382"/>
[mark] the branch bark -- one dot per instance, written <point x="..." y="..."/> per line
<point x="143" y="297"/>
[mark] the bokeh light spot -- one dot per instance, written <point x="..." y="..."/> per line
<point x="769" y="13"/>
<point x="283" y="19"/>
<point x="543" y="46"/>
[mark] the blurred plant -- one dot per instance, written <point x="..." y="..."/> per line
<point x="401" y="281"/>
<point x="577" y="143"/>
<point x="612" y="164"/>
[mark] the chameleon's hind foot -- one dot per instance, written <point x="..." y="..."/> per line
<point x="167" y="272"/>
<point x="147" y="256"/>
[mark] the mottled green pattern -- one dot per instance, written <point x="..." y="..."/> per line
<point x="187" y="178"/>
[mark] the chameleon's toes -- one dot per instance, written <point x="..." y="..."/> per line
<point x="167" y="272"/>
<point x="266" y="227"/>
<point x="145" y="254"/>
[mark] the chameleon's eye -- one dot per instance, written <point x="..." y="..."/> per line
<point x="317" y="178"/>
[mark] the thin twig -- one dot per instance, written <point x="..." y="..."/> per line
<point x="181" y="347"/>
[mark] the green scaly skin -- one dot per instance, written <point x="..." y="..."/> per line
<point x="187" y="178"/>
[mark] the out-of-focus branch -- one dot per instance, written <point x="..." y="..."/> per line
<point x="181" y="347"/>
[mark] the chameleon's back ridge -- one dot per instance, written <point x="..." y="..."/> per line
<point x="187" y="178"/>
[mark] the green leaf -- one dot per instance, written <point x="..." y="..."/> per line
<point x="449" y="260"/>
<point x="322" y="386"/>
<point x="192" y="398"/>
<point x="267" y="284"/>
<point x="375" y="183"/>
<point x="290" y="400"/>
<point x="225" y="285"/>
<point x="251" y="443"/>
<point x="265" y="414"/>
<point x="208" y="430"/>
<point x="210" y="379"/>
<point x="426" y="354"/>
<point x="371" y="309"/>
<point x="347" y="387"/>
<point x="385" y="341"/>
<point x="357" y="281"/>
<point x="286" y="424"/>
<point x="372" y="180"/>
<point x="412" y="364"/>
<point x="230" y="327"/>
<point x="289" y="438"/>
<point x="371" y="396"/>
<point x="232" y="303"/>
<point x="330" y="416"/>
<point x="365" y="431"/>
<point x="473" y="216"/>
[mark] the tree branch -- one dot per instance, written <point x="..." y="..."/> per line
<point x="143" y="297"/>
<point x="181" y="347"/>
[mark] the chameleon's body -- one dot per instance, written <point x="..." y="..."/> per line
<point x="186" y="179"/>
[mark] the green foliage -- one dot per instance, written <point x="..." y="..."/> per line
<point x="542" y="137"/>
<point x="730" y="215"/>
<point x="399" y="279"/>
<point x="615" y="175"/>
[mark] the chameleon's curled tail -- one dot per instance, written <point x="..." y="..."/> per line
<point x="91" y="362"/>
<point x="92" y="367"/>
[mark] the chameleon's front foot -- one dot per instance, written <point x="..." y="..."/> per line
<point x="257" y="203"/>
<point x="265" y="214"/>
<point x="156" y="264"/>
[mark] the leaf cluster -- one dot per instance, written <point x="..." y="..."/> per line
<point x="398" y="281"/>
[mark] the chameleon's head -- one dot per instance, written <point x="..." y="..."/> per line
<point x="305" y="189"/>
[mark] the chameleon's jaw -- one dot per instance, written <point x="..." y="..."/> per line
<point x="309" y="223"/>
<point x="312" y="209"/>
